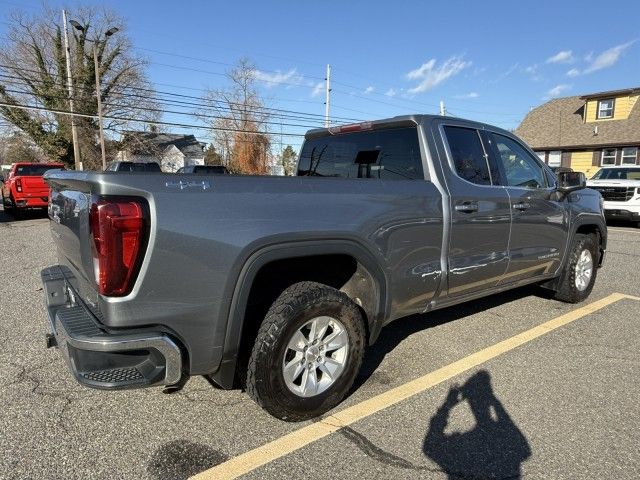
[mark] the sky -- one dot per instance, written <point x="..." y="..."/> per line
<point x="490" y="61"/>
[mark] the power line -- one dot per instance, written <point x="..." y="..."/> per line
<point x="129" y="119"/>
<point x="212" y="102"/>
<point x="199" y="115"/>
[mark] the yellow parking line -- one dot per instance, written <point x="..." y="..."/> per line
<point x="623" y="230"/>
<point x="297" y="439"/>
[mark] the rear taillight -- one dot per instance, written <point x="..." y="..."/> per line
<point x="119" y="227"/>
<point x="19" y="185"/>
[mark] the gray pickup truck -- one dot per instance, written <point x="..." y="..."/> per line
<point x="278" y="284"/>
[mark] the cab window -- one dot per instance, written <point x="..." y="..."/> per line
<point x="521" y="169"/>
<point x="390" y="154"/>
<point x="467" y="154"/>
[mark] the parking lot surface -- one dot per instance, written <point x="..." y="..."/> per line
<point x="562" y="404"/>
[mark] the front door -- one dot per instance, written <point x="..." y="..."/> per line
<point x="539" y="223"/>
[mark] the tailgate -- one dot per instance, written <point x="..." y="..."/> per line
<point x="69" y="214"/>
<point x="34" y="185"/>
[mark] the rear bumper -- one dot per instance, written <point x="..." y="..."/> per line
<point x="100" y="359"/>
<point x="32" y="201"/>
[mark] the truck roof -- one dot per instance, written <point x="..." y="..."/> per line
<point x="20" y="164"/>
<point x="392" y="122"/>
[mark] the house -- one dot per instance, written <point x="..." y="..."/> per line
<point x="171" y="151"/>
<point x="586" y="132"/>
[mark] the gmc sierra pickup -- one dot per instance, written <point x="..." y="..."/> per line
<point x="24" y="187"/>
<point x="278" y="284"/>
<point x="620" y="189"/>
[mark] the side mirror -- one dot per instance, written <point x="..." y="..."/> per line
<point x="570" y="181"/>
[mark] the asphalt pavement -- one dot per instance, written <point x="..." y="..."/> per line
<point x="563" y="405"/>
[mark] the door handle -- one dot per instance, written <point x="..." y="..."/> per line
<point x="521" y="206"/>
<point x="467" y="207"/>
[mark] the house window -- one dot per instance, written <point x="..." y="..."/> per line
<point x="555" y="158"/>
<point x="605" y="108"/>
<point x="608" y="156"/>
<point x="629" y="155"/>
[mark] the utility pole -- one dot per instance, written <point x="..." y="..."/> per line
<point x="327" y="96"/>
<point x="98" y="95"/>
<point x="96" y="69"/>
<point x="74" y="132"/>
<point x="443" y="111"/>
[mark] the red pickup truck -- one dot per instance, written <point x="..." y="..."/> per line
<point x="24" y="187"/>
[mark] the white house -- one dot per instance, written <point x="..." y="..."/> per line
<point x="171" y="151"/>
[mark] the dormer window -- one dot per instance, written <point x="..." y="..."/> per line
<point x="605" y="108"/>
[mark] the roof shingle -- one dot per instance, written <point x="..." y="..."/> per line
<point x="559" y="124"/>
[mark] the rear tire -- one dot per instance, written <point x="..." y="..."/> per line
<point x="8" y="209"/>
<point x="579" y="274"/>
<point x="307" y="353"/>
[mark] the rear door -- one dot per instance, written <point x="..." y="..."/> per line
<point x="480" y="213"/>
<point x="540" y="222"/>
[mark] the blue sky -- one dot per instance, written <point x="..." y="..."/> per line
<point x="490" y="61"/>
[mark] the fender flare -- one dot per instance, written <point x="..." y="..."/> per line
<point x="225" y="374"/>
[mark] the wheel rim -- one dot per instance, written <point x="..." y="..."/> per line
<point x="316" y="356"/>
<point x="584" y="270"/>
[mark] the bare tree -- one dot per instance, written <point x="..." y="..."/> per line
<point x="33" y="73"/>
<point x="240" y="130"/>
<point x="15" y="147"/>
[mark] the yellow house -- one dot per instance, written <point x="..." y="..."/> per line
<point x="586" y="132"/>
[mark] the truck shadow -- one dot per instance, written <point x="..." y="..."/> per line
<point x="492" y="448"/>
<point x="393" y="334"/>
<point x="26" y="215"/>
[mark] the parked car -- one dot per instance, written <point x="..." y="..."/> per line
<point x="23" y="188"/>
<point x="133" y="167"/>
<point x="204" y="169"/>
<point x="279" y="283"/>
<point x="620" y="189"/>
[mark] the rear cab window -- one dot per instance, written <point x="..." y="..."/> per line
<point x="34" y="170"/>
<point x="468" y="156"/>
<point x="386" y="154"/>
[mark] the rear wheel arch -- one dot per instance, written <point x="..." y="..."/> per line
<point x="355" y="271"/>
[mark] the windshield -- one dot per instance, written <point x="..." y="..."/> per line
<point x="33" y="170"/>
<point x="630" y="173"/>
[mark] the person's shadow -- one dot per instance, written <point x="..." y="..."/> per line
<point x="494" y="448"/>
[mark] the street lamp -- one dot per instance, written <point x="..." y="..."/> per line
<point x="107" y="34"/>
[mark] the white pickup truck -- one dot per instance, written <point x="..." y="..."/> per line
<point x="620" y="189"/>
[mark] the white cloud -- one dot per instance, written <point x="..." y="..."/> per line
<point x="467" y="95"/>
<point x="317" y="89"/>
<point x="557" y="90"/>
<point x="608" y="58"/>
<point x="368" y="90"/>
<point x="291" y="77"/>
<point x="429" y="75"/>
<point x="532" y="68"/>
<point x="574" y="72"/>
<point x="390" y="93"/>
<point x="564" y="56"/>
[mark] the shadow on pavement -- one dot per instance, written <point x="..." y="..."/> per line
<point x="26" y="215"/>
<point x="393" y="334"/>
<point x="494" y="448"/>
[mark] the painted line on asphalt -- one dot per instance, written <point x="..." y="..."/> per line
<point x="623" y="230"/>
<point x="249" y="461"/>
